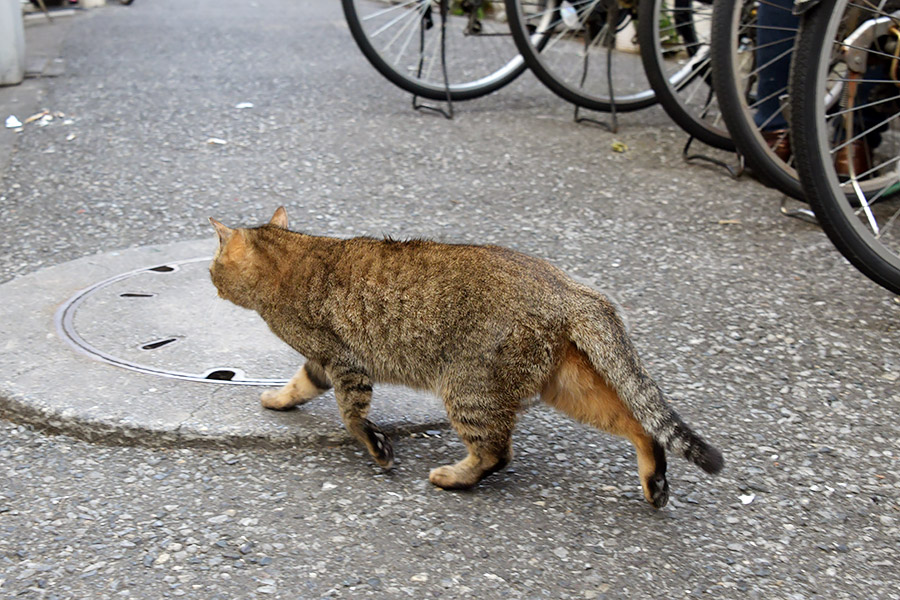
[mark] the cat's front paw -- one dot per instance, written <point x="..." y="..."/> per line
<point x="276" y="400"/>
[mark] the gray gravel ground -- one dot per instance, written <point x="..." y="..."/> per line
<point x="767" y="340"/>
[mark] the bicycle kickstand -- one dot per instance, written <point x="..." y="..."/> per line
<point x="613" y="124"/>
<point x="804" y="214"/>
<point x="734" y="171"/>
<point x="448" y="114"/>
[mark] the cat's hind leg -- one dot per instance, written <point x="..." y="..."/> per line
<point x="579" y="391"/>
<point x="353" y="390"/>
<point x="309" y="382"/>
<point x="485" y="425"/>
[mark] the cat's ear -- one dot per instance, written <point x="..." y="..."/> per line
<point x="279" y="219"/>
<point x="224" y="232"/>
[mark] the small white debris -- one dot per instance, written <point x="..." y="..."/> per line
<point x="747" y="499"/>
<point x="216" y="141"/>
<point x="328" y="486"/>
<point x="419" y="577"/>
<point x="244" y="105"/>
<point x="218" y="519"/>
<point x="94" y="567"/>
<point x="37" y="116"/>
<point x="12" y="122"/>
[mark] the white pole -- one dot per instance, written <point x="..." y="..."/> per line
<point x="12" y="43"/>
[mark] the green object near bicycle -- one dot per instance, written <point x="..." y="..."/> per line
<point x="464" y="7"/>
<point x="667" y="24"/>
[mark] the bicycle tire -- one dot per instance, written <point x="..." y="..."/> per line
<point x="474" y="69"/>
<point x="735" y="92"/>
<point x="683" y="87"/>
<point x="533" y="23"/>
<point x="847" y="218"/>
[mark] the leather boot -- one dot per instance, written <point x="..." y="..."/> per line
<point x="862" y="158"/>
<point x="780" y="142"/>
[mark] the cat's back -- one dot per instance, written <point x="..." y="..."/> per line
<point x="446" y="287"/>
<point x="494" y="267"/>
<point x="420" y="272"/>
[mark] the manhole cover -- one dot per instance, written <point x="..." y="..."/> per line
<point x="167" y="320"/>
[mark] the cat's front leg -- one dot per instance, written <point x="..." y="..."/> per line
<point x="353" y="390"/>
<point x="309" y="382"/>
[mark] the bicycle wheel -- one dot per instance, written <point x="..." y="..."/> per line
<point x="846" y="107"/>
<point x="752" y="44"/>
<point x="674" y="40"/>
<point x="411" y="42"/>
<point x="582" y="50"/>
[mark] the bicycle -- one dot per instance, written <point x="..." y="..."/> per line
<point x="845" y="104"/>
<point x="623" y="55"/>
<point x="752" y="102"/>
<point x="437" y="49"/>
<point x="674" y="37"/>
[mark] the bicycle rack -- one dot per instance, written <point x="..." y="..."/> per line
<point x="448" y="114"/>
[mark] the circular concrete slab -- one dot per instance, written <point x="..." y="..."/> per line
<point x="135" y="346"/>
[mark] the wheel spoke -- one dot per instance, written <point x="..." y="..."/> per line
<point x="381" y="13"/>
<point x="411" y="16"/>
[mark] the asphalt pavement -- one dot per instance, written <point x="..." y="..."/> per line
<point x="766" y="339"/>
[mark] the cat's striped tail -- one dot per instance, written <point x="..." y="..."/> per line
<point x="597" y="331"/>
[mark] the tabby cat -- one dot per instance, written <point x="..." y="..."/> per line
<point x="483" y="327"/>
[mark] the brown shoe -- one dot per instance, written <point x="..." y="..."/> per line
<point x="780" y="142"/>
<point x="861" y="156"/>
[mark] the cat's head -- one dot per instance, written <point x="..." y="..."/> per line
<point x="237" y="269"/>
